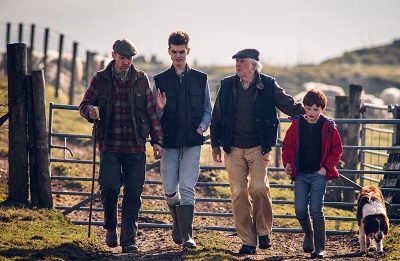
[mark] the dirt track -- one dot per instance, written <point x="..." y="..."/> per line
<point x="156" y="244"/>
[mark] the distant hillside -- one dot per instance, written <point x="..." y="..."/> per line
<point x="375" y="69"/>
<point x="383" y="55"/>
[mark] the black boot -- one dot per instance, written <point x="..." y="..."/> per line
<point x="308" y="241"/>
<point x="319" y="238"/>
<point x="176" y="232"/>
<point x="185" y="214"/>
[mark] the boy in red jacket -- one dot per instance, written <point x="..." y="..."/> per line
<point x="310" y="151"/>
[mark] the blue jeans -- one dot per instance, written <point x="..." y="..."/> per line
<point x="117" y="170"/>
<point x="180" y="172"/>
<point x="309" y="190"/>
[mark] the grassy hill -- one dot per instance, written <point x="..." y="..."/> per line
<point x="381" y="55"/>
<point x="375" y="69"/>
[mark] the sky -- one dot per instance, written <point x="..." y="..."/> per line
<point x="286" y="32"/>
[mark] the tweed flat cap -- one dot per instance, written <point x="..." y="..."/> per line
<point x="124" y="47"/>
<point x="247" y="53"/>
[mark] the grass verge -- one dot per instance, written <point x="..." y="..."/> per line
<point x="38" y="234"/>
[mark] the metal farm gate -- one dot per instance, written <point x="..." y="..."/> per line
<point x="378" y="141"/>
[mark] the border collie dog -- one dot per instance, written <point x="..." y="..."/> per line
<point x="372" y="219"/>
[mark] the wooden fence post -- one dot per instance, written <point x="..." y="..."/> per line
<point x="20" y="32"/>
<point x="87" y="67"/>
<point x="90" y="68"/>
<point x="45" y="48"/>
<point x="32" y="36"/>
<point x="18" y="141"/>
<point x="30" y="49"/>
<point x="341" y="112"/>
<point x="73" y="68"/>
<point x="102" y="64"/>
<point x="41" y="141"/>
<point x="8" y="34"/>
<point x="31" y="143"/>
<point x="353" y="138"/>
<point x="59" y="64"/>
<point x="8" y="39"/>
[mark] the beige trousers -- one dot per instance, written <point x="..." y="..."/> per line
<point x="251" y="196"/>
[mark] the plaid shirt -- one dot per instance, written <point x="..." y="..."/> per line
<point x="121" y="133"/>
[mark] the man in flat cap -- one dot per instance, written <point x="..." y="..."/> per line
<point x="245" y="123"/>
<point x="183" y="103"/>
<point x="120" y="103"/>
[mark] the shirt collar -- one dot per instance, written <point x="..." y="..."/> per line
<point x="255" y="79"/>
<point x="121" y="76"/>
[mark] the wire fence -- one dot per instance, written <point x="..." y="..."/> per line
<point x="39" y="38"/>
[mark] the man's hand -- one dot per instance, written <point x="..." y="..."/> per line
<point x="216" y="153"/>
<point x="200" y="131"/>
<point x="161" y="100"/>
<point x="158" y="151"/>
<point x="94" y="113"/>
<point x="267" y="156"/>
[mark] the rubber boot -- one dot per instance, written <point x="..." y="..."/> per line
<point x="308" y="241"/>
<point x="185" y="215"/>
<point x="176" y="232"/>
<point x="319" y="237"/>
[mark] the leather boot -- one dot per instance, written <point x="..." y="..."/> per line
<point x="185" y="215"/>
<point x="319" y="237"/>
<point x="176" y="232"/>
<point x="308" y="241"/>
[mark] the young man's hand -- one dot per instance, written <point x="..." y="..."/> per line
<point x="161" y="100"/>
<point x="158" y="151"/>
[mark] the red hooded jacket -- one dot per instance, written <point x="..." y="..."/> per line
<point x="331" y="147"/>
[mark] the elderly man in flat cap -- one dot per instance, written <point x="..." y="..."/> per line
<point x="245" y="123"/>
<point x="120" y="103"/>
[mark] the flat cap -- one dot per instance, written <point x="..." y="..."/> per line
<point x="124" y="47"/>
<point x="247" y="53"/>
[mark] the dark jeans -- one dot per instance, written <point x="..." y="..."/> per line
<point x="117" y="170"/>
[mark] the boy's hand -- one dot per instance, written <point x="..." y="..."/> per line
<point x="288" y="169"/>
<point x="322" y="171"/>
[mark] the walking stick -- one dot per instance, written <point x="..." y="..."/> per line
<point x="93" y="168"/>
